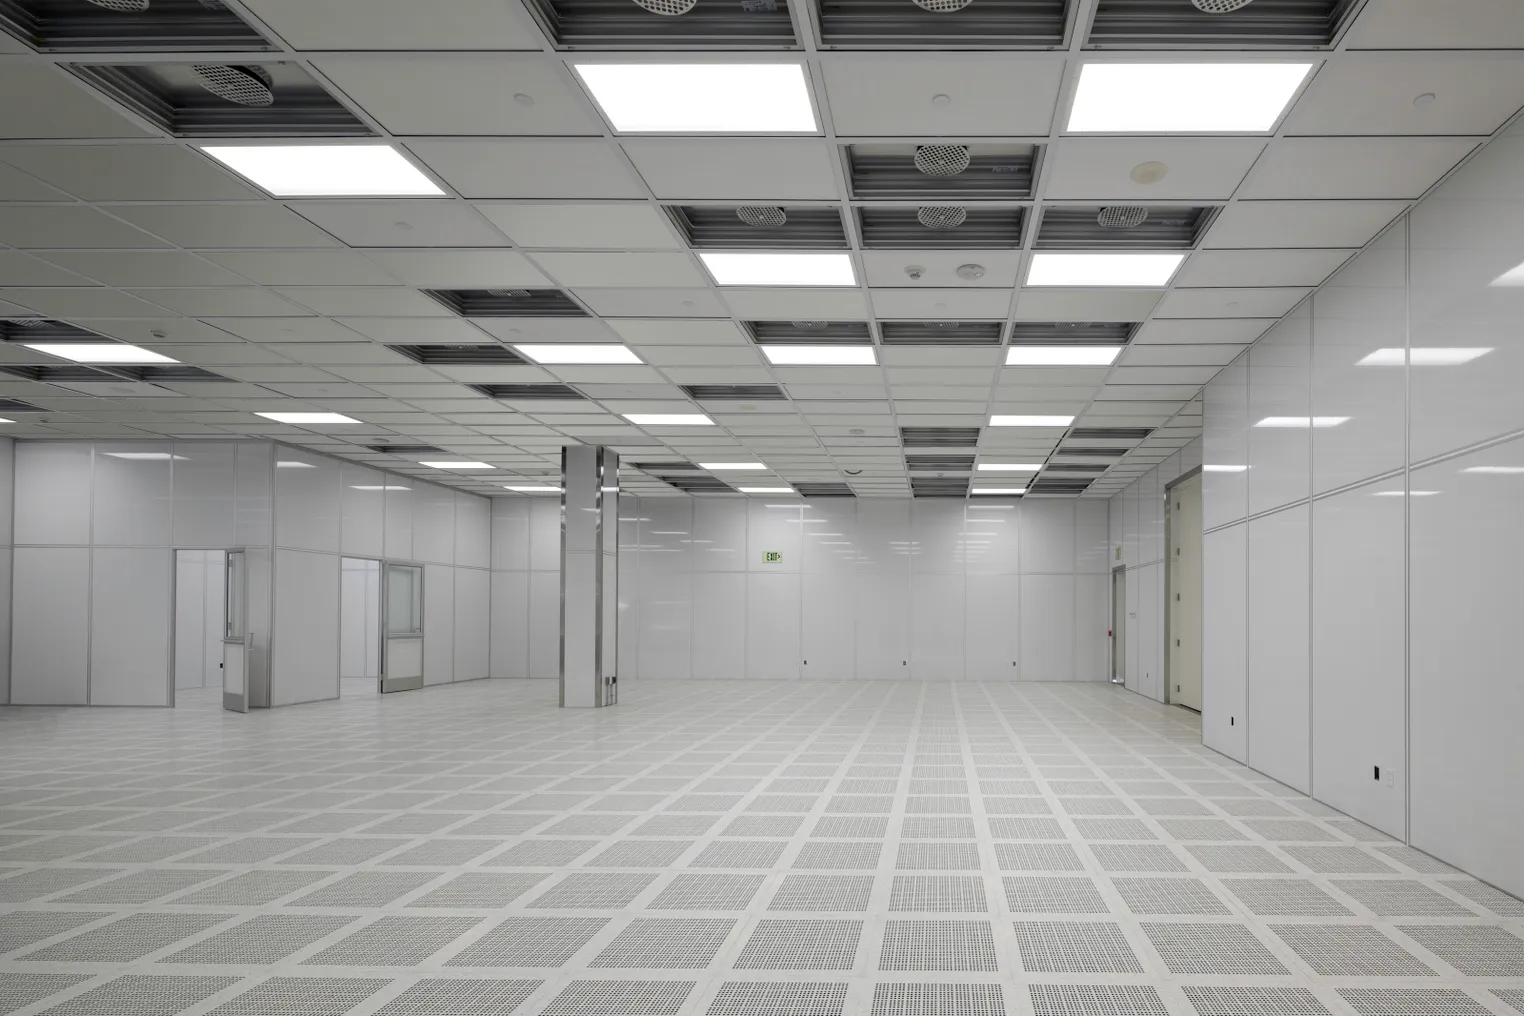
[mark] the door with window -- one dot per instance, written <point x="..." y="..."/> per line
<point x="402" y="647"/>
<point x="1185" y="593"/>
<point x="235" y="634"/>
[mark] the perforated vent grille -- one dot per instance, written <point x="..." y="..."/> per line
<point x="487" y="353"/>
<point x="718" y="227"/>
<point x="985" y="24"/>
<point x="737" y="393"/>
<point x="1164" y="228"/>
<point x="939" y="437"/>
<point x="536" y="390"/>
<point x="508" y="302"/>
<point x="619" y="24"/>
<point x="811" y="332"/>
<point x="940" y="227"/>
<point x="993" y="172"/>
<point x="1282" y="23"/>
<point x="823" y="490"/>
<point x="942" y="333"/>
<point x="70" y="26"/>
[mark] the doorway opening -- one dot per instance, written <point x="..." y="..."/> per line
<point x="359" y="627"/>
<point x="1182" y="635"/>
<point x="200" y="619"/>
<point x="1119" y="626"/>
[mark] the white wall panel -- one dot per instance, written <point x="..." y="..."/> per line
<point x="6" y="562"/>
<point x="545" y="534"/>
<point x="433" y="524"/>
<point x="719" y="624"/>
<point x="1047" y="627"/>
<point x="1224" y="640"/>
<point x="473" y="531"/>
<point x="1358" y="650"/>
<point x="362" y="502"/>
<point x="1150" y="659"/>
<point x="510" y="533"/>
<point x="828" y="644"/>
<point x="992" y="639"/>
<point x="510" y="624"/>
<point x="883" y="627"/>
<point x="131" y="603"/>
<point x="1132" y="631"/>
<point x="1279" y="387"/>
<point x="438" y="624"/>
<point x="53" y="493"/>
<point x="774" y="526"/>
<point x="937" y="541"/>
<point x="50" y="619"/>
<point x="131" y="502"/>
<point x="1092" y="548"/>
<point x="205" y="488"/>
<point x="473" y="593"/>
<point x="398" y="534"/>
<point x="544" y="624"/>
<point x="937" y="626"/>
<point x="254" y="494"/>
<point x="1466" y="701"/>
<point x="665" y="621"/>
<point x="1280" y="693"/>
<point x="1092" y="619"/>
<point x="304" y="646"/>
<point x="993" y="534"/>
<point x="773" y="631"/>
<point x="1047" y="537"/>
<point x="718" y="532"/>
<point x="1225" y="446"/>
<point x="307" y="509"/>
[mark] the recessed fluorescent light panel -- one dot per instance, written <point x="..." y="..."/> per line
<point x="1031" y="421"/>
<point x="736" y="268"/>
<point x="766" y="490"/>
<point x="1061" y="356"/>
<point x="1433" y="356"/>
<point x="308" y="171"/>
<point x="1513" y="277"/>
<point x="669" y="419"/>
<point x="1102" y="270"/>
<point x="7" y="421"/>
<point x="1183" y="98"/>
<point x="146" y="456"/>
<point x="716" y="466"/>
<point x="307" y="418"/>
<point x="789" y="355"/>
<point x="1009" y="467"/>
<point x="998" y="490"/>
<point x="385" y="486"/>
<point x="293" y="464"/>
<point x="532" y="489"/>
<point x="1224" y="469"/>
<point x="99" y="352"/>
<point x="457" y="464"/>
<point x="1495" y="470"/>
<point x="729" y="98"/>
<point x="579" y="353"/>
<point x="1405" y="493"/>
<point x="1302" y="421"/>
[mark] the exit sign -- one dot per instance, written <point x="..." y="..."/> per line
<point x="772" y="557"/>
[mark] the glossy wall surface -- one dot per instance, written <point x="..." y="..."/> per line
<point x="1362" y="566"/>
<point x="7" y="507"/>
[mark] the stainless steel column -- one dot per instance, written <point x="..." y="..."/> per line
<point x="589" y="576"/>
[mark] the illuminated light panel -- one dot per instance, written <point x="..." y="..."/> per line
<point x="99" y="352"/>
<point x="293" y="464"/>
<point x="766" y="490"/>
<point x="702" y="98"/>
<point x="1513" y="277"/>
<point x="1301" y="421"/>
<point x="1495" y="470"/>
<point x="998" y="490"/>
<point x="1183" y="98"/>
<point x="1030" y="421"/>
<point x="1431" y="356"/>
<point x="385" y="486"/>
<point x="532" y="489"/>
<point x="1148" y="271"/>
<point x="1224" y="469"/>
<point x="778" y="268"/>
<point x="1061" y="356"/>
<point x="308" y="418"/>
<point x="579" y="353"/>
<point x="1008" y="467"/>
<point x="669" y="419"/>
<point x="790" y="355"/>
<point x="714" y="466"/>
<point x="457" y="464"/>
<point x="1405" y="493"/>
<point x="146" y="456"/>
<point x="307" y="171"/>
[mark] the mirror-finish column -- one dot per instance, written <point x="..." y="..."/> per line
<point x="589" y="576"/>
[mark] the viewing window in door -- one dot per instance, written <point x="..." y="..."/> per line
<point x="236" y="586"/>
<point x="404" y="599"/>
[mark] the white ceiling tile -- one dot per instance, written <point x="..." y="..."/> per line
<point x="219" y="354"/>
<point x="214" y="226"/>
<point x="1178" y="354"/>
<point x="65" y="227"/>
<point x="402" y="331"/>
<point x="68" y="303"/>
<point x="609" y="225"/>
<point x="653" y="331"/>
<point x="718" y="375"/>
<point x="1353" y="167"/>
<point x="539" y="168"/>
<point x="304" y="268"/>
<point x="611" y="270"/>
<point x="339" y="352"/>
<point x="942" y="356"/>
<point x="1221" y="303"/>
<point x="1036" y="390"/>
<point x="459" y="269"/>
<point x="1259" y="267"/>
<point x="18" y="269"/>
<point x="890" y="94"/>
<point x="567" y="329"/>
<point x="145" y="268"/>
<point x="939" y="304"/>
<point x="286" y="330"/>
<point x="399" y="24"/>
<point x="1301" y="223"/>
<point x="656" y="303"/>
<point x="18" y="186"/>
<point x="57" y="105"/>
<point x="368" y="300"/>
<point x="1086" y="304"/>
<point x="129" y="172"/>
<point x="1200" y="169"/>
<point x="1369" y="93"/>
<point x="1123" y="395"/>
<point x="424" y="222"/>
<point x="797" y="304"/>
<point x="1055" y="377"/>
<point x="240" y="301"/>
<point x="1455" y="24"/>
<point x="463" y="95"/>
<point x="735" y="169"/>
<point x="1175" y="375"/>
<point x="1236" y="331"/>
<point x="886" y="268"/>
<point x="161" y="330"/>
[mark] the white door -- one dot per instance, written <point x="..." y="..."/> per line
<point x="1185" y="594"/>
<point x="402" y="645"/>
<point x="1119" y="626"/>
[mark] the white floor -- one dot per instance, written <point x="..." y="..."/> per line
<point x="743" y="849"/>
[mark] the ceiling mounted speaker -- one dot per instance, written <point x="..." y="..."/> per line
<point x="122" y="6"/>
<point x="1220" y="6"/>
<point x="941" y="160"/>
<point x="941" y="216"/>
<point x="669" y="8"/>
<point x="941" y="326"/>
<point x="247" y="86"/>
<point x="808" y="326"/>
<point x="761" y="216"/>
<point x="1121" y="217"/>
<point x="509" y="294"/>
<point x="942" y="6"/>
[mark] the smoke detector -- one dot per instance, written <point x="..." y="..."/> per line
<point x="247" y="86"/>
<point x="669" y="8"/>
<point x="761" y="216"/>
<point x="942" y="6"/>
<point x="1220" y="6"/>
<point x="122" y="6"/>
<point x="941" y="160"/>
<point x="941" y="216"/>
<point x="509" y="294"/>
<point x="1121" y="217"/>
